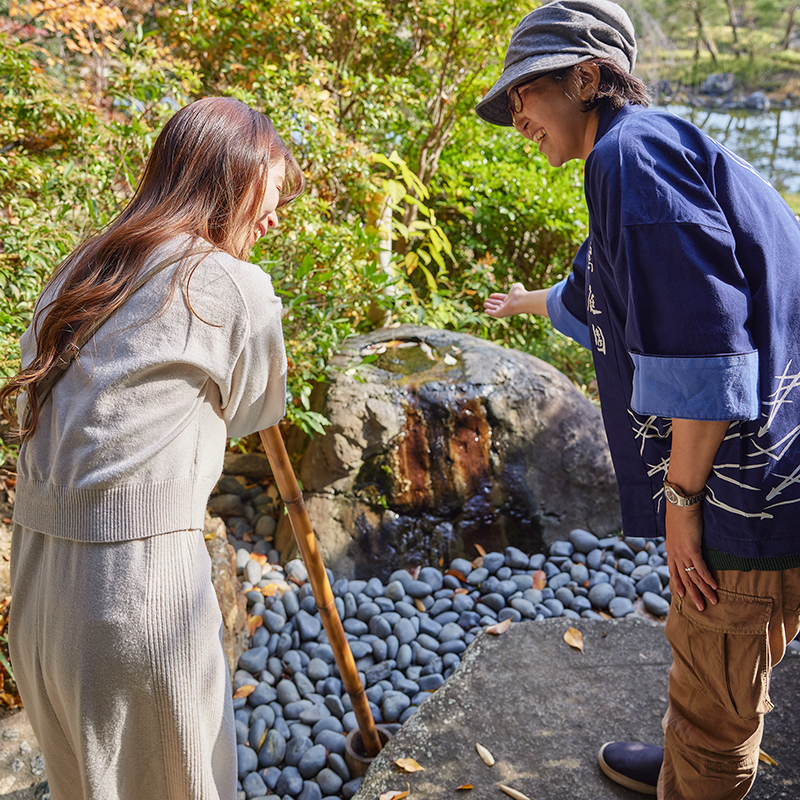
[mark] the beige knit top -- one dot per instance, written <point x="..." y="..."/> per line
<point x="131" y="442"/>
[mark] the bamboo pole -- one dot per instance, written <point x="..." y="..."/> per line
<point x="321" y="586"/>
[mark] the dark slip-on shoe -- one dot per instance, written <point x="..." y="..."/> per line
<point x="632" y="764"/>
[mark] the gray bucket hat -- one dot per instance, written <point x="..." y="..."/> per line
<point x="558" y="35"/>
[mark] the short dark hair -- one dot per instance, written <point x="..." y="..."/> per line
<point x="616" y="88"/>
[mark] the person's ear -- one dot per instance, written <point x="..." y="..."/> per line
<point x="588" y="75"/>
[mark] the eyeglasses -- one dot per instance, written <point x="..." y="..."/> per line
<point x="515" y="98"/>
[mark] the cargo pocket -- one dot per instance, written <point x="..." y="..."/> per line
<point x="724" y="650"/>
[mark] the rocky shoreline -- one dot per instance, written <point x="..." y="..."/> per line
<point x="721" y="92"/>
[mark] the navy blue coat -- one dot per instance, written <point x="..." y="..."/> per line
<point x="688" y="292"/>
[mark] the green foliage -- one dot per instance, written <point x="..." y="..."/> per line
<point x="34" y="117"/>
<point x="65" y="172"/>
<point x="511" y="218"/>
<point x="376" y="99"/>
<point x="346" y="83"/>
<point x="794" y="203"/>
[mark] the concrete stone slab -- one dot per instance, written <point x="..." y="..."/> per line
<point x="543" y="709"/>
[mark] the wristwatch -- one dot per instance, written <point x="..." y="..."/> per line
<point x="678" y="497"/>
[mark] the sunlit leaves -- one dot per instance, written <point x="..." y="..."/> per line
<point x="512" y="792"/>
<point x="766" y="758"/>
<point x="574" y="638"/>
<point x="254" y="622"/>
<point x="485" y="754"/>
<point x="408" y="765"/>
<point x="365" y="92"/>
<point x="88" y="25"/>
<point x="395" y="794"/>
<point x="499" y="627"/>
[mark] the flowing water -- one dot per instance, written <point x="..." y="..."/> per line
<point x="769" y="140"/>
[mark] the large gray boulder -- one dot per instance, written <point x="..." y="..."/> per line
<point x="443" y="441"/>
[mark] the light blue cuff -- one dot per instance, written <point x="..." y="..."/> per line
<point x="563" y="321"/>
<point x="701" y="388"/>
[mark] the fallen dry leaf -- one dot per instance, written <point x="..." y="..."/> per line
<point x="395" y="795"/>
<point x="426" y="349"/>
<point x="254" y="622"/>
<point x="766" y="758"/>
<point x="605" y="615"/>
<point x="270" y="590"/>
<point x="463" y="787"/>
<point x="244" y="691"/>
<point x="408" y="765"/>
<point x="574" y="638"/>
<point x="539" y="579"/>
<point x="477" y="562"/>
<point x="10" y="700"/>
<point x="500" y="627"/>
<point x="487" y="757"/>
<point x="259" y="557"/>
<point x="517" y="795"/>
<point x="461" y="591"/>
<point x="419" y="605"/>
<point x="457" y="574"/>
<point x="480" y="549"/>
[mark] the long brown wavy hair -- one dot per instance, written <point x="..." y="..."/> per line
<point x="206" y="177"/>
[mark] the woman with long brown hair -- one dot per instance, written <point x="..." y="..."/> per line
<point x="115" y="624"/>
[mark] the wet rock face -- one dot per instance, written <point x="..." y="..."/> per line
<point x="443" y="440"/>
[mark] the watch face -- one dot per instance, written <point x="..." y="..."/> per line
<point x="672" y="495"/>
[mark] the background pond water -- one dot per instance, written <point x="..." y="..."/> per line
<point x="769" y="140"/>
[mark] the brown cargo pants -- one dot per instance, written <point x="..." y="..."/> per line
<point x="719" y="682"/>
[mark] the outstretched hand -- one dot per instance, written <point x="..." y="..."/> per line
<point x="506" y="305"/>
<point x="687" y="569"/>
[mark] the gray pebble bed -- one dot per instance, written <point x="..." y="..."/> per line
<point x="407" y="636"/>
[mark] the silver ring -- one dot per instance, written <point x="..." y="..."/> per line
<point x="689" y="569"/>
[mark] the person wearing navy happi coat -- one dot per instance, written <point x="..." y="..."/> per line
<point x="687" y="291"/>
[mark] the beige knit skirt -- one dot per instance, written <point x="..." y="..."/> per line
<point x="117" y="654"/>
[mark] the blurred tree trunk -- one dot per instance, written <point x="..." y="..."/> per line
<point x="789" y="27"/>
<point x="732" y="20"/>
<point x="702" y="34"/>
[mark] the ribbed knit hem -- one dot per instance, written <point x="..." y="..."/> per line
<point x="717" y="559"/>
<point x="114" y="514"/>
